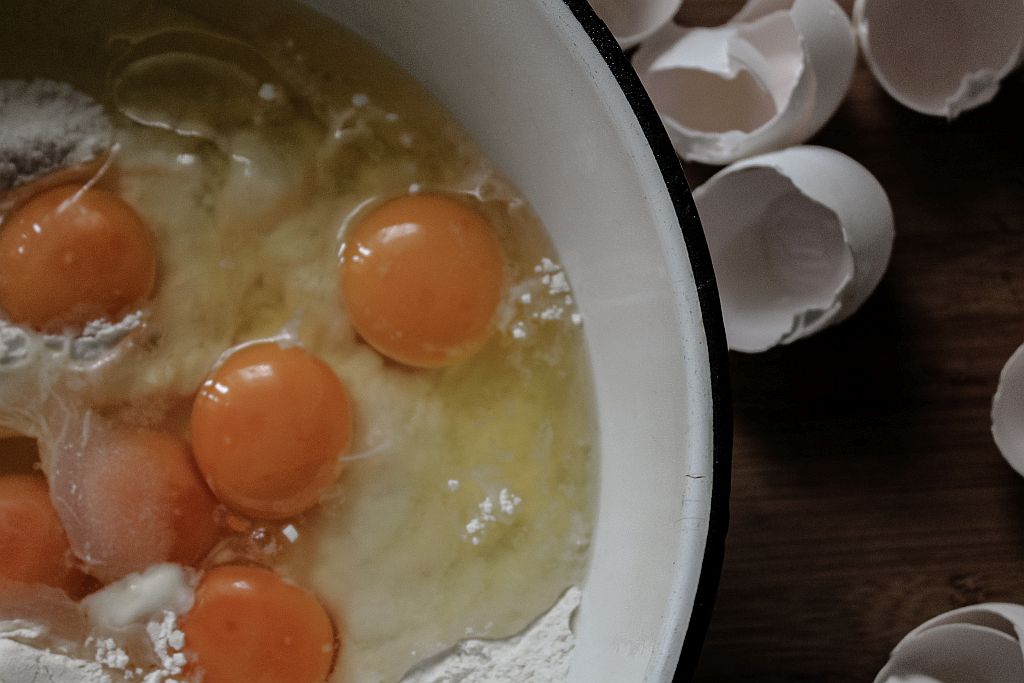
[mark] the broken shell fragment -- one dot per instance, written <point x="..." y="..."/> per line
<point x="941" y="58"/>
<point x="768" y="79"/>
<point x="799" y="239"/>
<point x="976" y="643"/>
<point x="632" y="21"/>
<point x="1008" y="411"/>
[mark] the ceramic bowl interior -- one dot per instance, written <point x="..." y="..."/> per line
<point x="543" y="88"/>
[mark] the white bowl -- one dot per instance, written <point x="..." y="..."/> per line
<point x="543" y="87"/>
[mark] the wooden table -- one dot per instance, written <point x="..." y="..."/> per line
<point x="867" y="493"/>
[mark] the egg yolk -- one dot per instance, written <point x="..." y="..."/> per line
<point x="68" y="258"/>
<point x="146" y="503"/>
<point x="421" y="278"/>
<point x="248" y="625"/>
<point x="33" y="545"/>
<point x="268" y="426"/>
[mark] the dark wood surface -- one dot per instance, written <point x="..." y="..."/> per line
<point x="867" y="493"/>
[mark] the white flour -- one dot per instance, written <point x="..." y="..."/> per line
<point x="46" y="126"/>
<point x="168" y="642"/>
<point x="149" y="601"/>
<point x="101" y="336"/>
<point x="96" y="340"/>
<point x="540" y="654"/>
<point x="15" y="346"/>
<point x="30" y="663"/>
<point x="20" y="663"/>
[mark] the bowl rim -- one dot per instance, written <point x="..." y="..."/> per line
<point x="711" y="317"/>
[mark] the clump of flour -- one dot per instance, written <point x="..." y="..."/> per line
<point x="133" y="627"/>
<point x="540" y="654"/>
<point x="100" y="336"/>
<point x="97" y="339"/>
<point x="45" y="126"/>
<point x="15" y="346"/>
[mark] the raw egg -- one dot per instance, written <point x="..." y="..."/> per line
<point x="248" y="625"/>
<point x="143" y="502"/>
<point x="70" y="255"/>
<point x="33" y="545"/>
<point x="421" y="278"/>
<point x="268" y="427"/>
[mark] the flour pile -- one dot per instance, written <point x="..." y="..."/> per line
<point x="540" y="654"/>
<point x="46" y="126"/>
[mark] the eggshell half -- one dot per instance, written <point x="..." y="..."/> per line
<point x="769" y="78"/>
<point x="632" y="21"/>
<point x="941" y="57"/>
<point x="976" y="643"/>
<point x="1008" y="411"/>
<point x="799" y="240"/>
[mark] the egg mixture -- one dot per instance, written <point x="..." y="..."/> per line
<point x="256" y="142"/>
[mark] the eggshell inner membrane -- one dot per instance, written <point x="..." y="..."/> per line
<point x="829" y="48"/>
<point x="727" y="92"/>
<point x="1008" y="412"/>
<point x="769" y="78"/>
<point x="780" y="257"/>
<point x="737" y="103"/>
<point x="941" y="57"/>
<point x="630" y="21"/>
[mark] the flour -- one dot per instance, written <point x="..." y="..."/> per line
<point x="477" y="526"/>
<point x="540" y="654"/>
<point x="546" y="297"/>
<point x="45" y="126"/>
<point x="99" y="338"/>
<point x="30" y="652"/>
<point x="138" y="614"/>
<point x="141" y="597"/>
<point x="15" y="346"/>
<point x="20" y="663"/>
<point x="110" y="654"/>
<point x="168" y="641"/>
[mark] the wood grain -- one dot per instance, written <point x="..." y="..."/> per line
<point x="867" y="493"/>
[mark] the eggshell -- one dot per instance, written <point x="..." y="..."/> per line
<point x="799" y="240"/>
<point x="769" y="78"/>
<point x="976" y="643"/>
<point x="829" y="48"/>
<point x="941" y="58"/>
<point x="632" y="21"/>
<point x="1008" y="411"/>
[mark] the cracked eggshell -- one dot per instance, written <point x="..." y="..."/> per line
<point x="1008" y="411"/>
<point x="941" y="58"/>
<point x="633" y="21"/>
<point x="799" y="240"/>
<point x="976" y="643"/>
<point x="769" y="78"/>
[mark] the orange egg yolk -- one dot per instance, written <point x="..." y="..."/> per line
<point x="248" y="625"/>
<point x="147" y="502"/>
<point x="33" y="545"/>
<point x="268" y="427"/>
<point x="69" y="256"/>
<point x="422" y="276"/>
